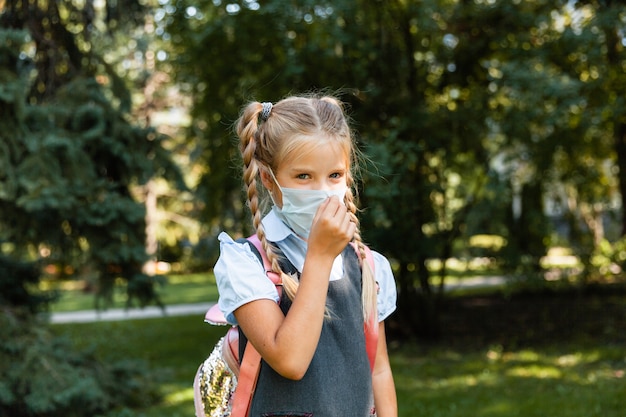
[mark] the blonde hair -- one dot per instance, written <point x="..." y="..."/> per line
<point x="288" y="129"/>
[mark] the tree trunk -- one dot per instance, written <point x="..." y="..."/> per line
<point x="620" y="150"/>
<point x="614" y="47"/>
<point x="152" y="243"/>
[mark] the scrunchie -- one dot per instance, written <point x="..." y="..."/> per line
<point x="267" y="109"/>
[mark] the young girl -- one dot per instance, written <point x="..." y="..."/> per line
<point x="311" y="337"/>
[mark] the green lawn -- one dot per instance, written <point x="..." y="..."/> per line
<point x="561" y="380"/>
<point x="188" y="288"/>
<point x="555" y="374"/>
<point x="558" y="381"/>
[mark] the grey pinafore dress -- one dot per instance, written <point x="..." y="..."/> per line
<point x="338" y="382"/>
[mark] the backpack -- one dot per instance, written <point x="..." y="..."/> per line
<point x="224" y="384"/>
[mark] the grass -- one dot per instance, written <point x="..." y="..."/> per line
<point x="539" y="355"/>
<point x="188" y="288"/>
<point x="559" y="380"/>
<point x="562" y="380"/>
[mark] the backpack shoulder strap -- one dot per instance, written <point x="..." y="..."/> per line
<point x="246" y="382"/>
<point x="251" y="360"/>
<point x="257" y="248"/>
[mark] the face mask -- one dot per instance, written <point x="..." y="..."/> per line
<point x="300" y="206"/>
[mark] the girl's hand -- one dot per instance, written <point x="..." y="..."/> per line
<point x="332" y="229"/>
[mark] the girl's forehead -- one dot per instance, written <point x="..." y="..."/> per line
<point x="316" y="151"/>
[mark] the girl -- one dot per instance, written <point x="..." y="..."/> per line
<point x="311" y="336"/>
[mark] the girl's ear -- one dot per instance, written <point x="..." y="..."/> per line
<point x="270" y="185"/>
<point x="267" y="180"/>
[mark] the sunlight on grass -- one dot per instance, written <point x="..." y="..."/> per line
<point x="175" y="404"/>
<point x="570" y="360"/>
<point x="521" y="356"/>
<point x="178" y="400"/>
<point x="535" y="371"/>
<point x="500" y="383"/>
<point x="177" y="289"/>
<point x="201" y="278"/>
<point x="184" y="395"/>
<point x="473" y="265"/>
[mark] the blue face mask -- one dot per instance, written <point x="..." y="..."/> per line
<point x="299" y="206"/>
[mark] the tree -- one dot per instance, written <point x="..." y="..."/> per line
<point x="70" y="150"/>
<point x="594" y="39"/>
<point x="556" y="107"/>
<point x="71" y="157"/>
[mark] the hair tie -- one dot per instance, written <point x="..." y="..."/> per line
<point x="267" y="109"/>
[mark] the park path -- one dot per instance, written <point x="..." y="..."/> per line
<point x="114" y="314"/>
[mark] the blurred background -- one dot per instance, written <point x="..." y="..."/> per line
<point x="494" y="179"/>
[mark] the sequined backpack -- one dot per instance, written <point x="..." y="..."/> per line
<point x="224" y="385"/>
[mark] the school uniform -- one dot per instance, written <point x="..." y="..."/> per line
<point x="338" y="381"/>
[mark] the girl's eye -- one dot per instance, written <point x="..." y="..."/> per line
<point x="336" y="175"/>
<point x="302" y="176"/>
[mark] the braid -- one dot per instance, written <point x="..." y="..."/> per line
<point x="368" y="290"/>
<point x="248" y="132"/>
<point x="290" y="285"/>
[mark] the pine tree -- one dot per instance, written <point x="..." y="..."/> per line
<point x="70" y="154"/>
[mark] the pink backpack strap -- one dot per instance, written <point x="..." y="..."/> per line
<point x="246" y="383"/>
<point x="370" y="329"/>
<point x="251" y="363"/>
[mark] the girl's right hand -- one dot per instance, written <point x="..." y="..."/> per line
<point x="332" y="229"/>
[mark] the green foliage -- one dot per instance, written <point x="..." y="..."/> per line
<point x="44" y="376"/>
<point x="18" y="283"/>
<point x="608" y="260"/>
<point x="465" y="109"/>
<point x="478" y="117"/>
<point x="72" y="162"/>
<point x="421" y="147"/>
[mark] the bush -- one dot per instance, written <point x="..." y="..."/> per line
<point x="42" y="376"/>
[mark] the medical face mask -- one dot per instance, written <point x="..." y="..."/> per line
<point x="300" y="206"/>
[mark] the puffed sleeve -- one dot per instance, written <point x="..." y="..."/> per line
<point x="240" y="277"/>
<point x="387" y="294"/>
